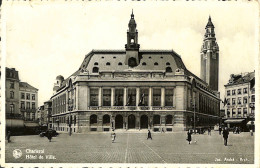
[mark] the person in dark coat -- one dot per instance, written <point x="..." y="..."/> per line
<point x="225" y="136"/>
<point x="8" y="136"/>
<point x="49" y="135"/>
<point x="189" y="136"/>
<point x="220" y="129"/>
<point x="209" y="131"/>
<point x="149" y="135"/>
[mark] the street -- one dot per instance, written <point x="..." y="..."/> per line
<point x="133" y="148"/>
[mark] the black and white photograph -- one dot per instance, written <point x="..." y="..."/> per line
<point x="129" y="83"/>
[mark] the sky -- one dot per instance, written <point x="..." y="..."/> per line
<point x="47" y="39"/>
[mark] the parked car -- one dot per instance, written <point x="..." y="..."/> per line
<point x="53" y="133"/>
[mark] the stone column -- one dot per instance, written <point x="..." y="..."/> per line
<point x="125" y="97"/>
<point x="150" y="97"/>
<point x="162" y="96"/>
<point x="163" y="122"/>
<point x="137" y="96"/>
<point x="88" y="97"/>
<point x="100" y="96"/>
<point x="112" y="122"/>
<point x="112" y="96"/>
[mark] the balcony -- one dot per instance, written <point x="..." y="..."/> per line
<point x="13" y="116"/>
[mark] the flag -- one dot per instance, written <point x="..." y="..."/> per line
<point x="141" y="102"/>
<point x="225" y="102"/>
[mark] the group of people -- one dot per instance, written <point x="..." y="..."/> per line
<point x="225" y="133"/>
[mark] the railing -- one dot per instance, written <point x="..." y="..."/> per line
<point x="13" y="116"/>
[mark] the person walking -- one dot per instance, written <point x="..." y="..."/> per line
<point x="49" y="135"/>
<point x="251" y="132"/>
<point x="113" y="135"/>
<point x="8" y="136"/>
<point x="219" y="130"/>
<point x="189" y="136"/>
<point x="209" y="131"/>
<point x="149" y="135"/>
<point x="225" y="136"/>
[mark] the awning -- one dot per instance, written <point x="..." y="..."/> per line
<point x="31" y="124"/>
<point x="233" y="121"/>
<point x="250" y="123"/>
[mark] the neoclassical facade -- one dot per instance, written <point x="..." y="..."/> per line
<point x="133" y="89"/>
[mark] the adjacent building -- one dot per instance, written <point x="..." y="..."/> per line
<point x="138" y="89"/>
<point x="21" y="101"/>
<point x="44" y="114"/>
<point x="240" y="100"/>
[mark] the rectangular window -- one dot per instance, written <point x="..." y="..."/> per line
<point x="144" y="94"/>
<point x="233" y="101"/>
<point x="11" y="108"/>
<point x="245" y="100"/>
<point x="233" y="112"/>
<point x="156" y="97"/>
<point x="106" y="97"/>
<point x="239" y="100"/>
<point x="11" y="85"/>
<point x="253" y="98"/>
<point x="228" y="101"/>
<point x="168" y="97"/>
<point x="93" y="97"/>
<point x="228" y="113"/>
<point x="239" y="112"/>
<point x="33" y="116"/>
<point x="234" y="92"/>
<point x="131" y="97"/>
<point x="245" y="90"/>
<point x="11" y="95"/>
<point x="33" y="105"/>
<point x="33" y="96"/>
<point x="22" y="105"/>
<point x="27" y="96"/>
<point x="28" y="115"/>
<point x="22" y="96"/>
<point x="27" y="105"/>
<point x="245" y="110"/>
<point x="119" y="97"/>
<point x="228" y="93"/>
<point x="238" y="91"/>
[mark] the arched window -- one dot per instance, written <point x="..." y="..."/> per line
<point x="168" y="69"/>
<point x="156" y="119"/>
<point x="95" y="70"/>
<point x="144" y="63"/>
<point x="132" y="62"/>
<point x="156" y="63"/>
<point x="168" y="119"/>
<point x="106" y="119"/>
<point x="108" y="63"/>
<point x="120" y="63"/>
<point x="167" y="63"/>
<point x="96" y="63"/>
<point x="93" y="119"/>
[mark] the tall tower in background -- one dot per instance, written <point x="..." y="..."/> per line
<point x="132" y="46"/>
<point x="210" y="57"/>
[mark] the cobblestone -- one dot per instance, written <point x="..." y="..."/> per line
<point x="135" y="148"/>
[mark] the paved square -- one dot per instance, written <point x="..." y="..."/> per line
<point x="134" y="148"/>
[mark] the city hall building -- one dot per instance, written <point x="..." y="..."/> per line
<point x="138" y="89"/>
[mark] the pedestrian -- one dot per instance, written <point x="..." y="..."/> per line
<point x="163" y="130"/>
<point x="49" y="135"/>
<point x="8" y="136"/>
<point x="225" y="136"/>
<point x="209" y="131"/>
<point x="220" y="129"/>
<point x="251" y="131"/>
<point x="189" y="136"/>
<point x="149" y="135"/>
<point x="113" y="135"/>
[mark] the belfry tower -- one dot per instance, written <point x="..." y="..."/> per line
<point x="132" y="46"/>
<point x="210" y="57"/>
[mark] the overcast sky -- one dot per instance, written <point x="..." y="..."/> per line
<point x="47" y="39"/>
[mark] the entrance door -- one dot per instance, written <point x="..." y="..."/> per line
<point x="144" y="121"/>
<point x="131" y="121"/>
<point x="119" y="122"/>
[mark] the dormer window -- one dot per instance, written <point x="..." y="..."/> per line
<point x="120" y="63"/>
<point x="96" y="63"/>
<point x="168" y="69"/>
<point x="150" y="57"/>
<point x="167" y="63"/>
<point x="108" y="63"/>
<point x="114" y="57"/>
<point x="161" y="57"/>
<point x="95" y="70"/>
<point x="102" y="57"/>
<point x="144" y="63"/>
<point x="156" y="63"/>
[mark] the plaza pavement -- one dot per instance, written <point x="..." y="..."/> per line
<point x="130" y="147"/>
